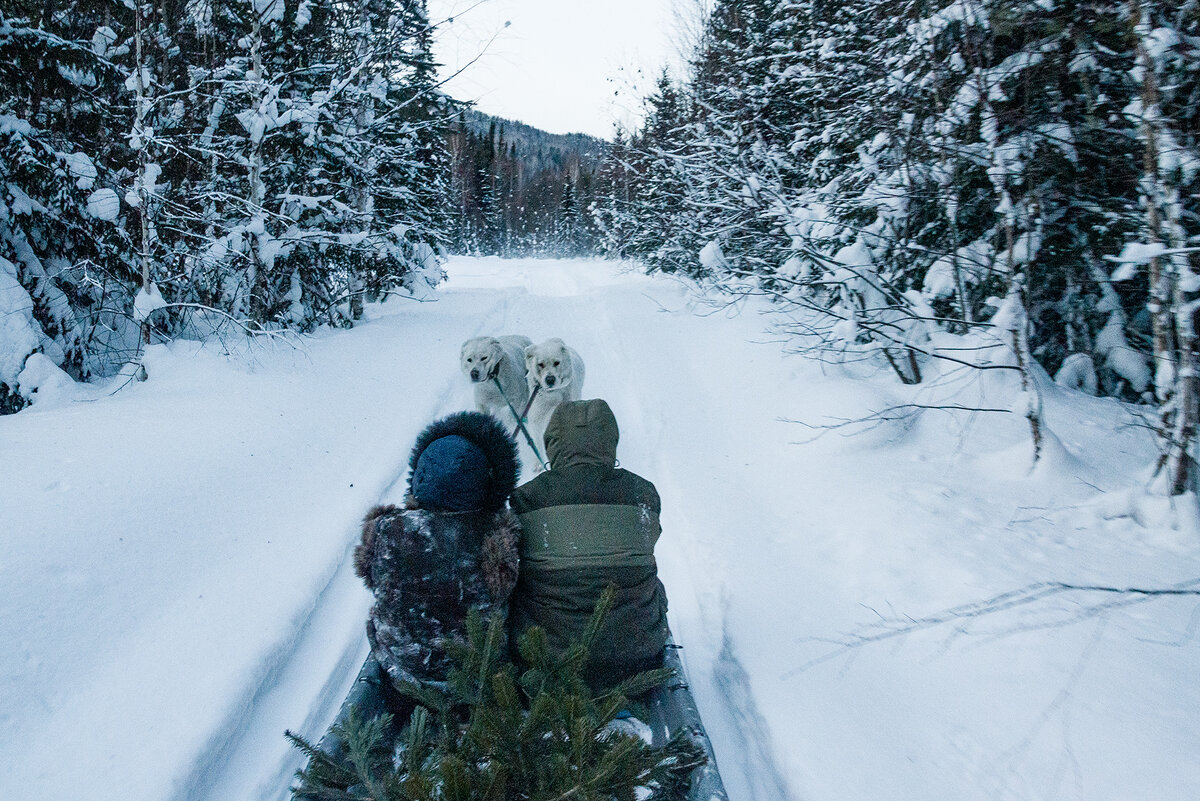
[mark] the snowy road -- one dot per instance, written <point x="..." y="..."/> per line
<point x="178" y="590"/>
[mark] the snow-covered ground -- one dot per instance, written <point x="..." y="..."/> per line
<point x="176" y="589"/>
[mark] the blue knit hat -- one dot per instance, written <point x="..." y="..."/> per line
<point x="464" y="462"/>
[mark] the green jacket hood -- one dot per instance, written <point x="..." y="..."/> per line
<point x="582" y="432"/>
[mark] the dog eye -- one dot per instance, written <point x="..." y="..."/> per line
<point x="541" y="364"/>
<point x="556" y="364"/>
<point x="483" y="358"/>
<point x="470" y="359"/>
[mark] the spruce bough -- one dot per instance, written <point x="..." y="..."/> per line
<point x="494" y="733"/>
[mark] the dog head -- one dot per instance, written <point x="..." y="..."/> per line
<point x="480" y="358"/>
<point x="549" y="364"/>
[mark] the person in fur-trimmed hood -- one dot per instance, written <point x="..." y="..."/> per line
<point x="452" y="548"/>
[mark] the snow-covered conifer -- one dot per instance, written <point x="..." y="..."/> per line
<point x="64" y="256"/>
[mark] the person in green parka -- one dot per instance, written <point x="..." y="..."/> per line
<point x="586" y="524"/>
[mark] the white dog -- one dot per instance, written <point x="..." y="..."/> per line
<point x="503" y="359"/>
<point x="556" y="372"/>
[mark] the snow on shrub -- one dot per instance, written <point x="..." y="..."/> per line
<point x="147" y="301"/>
<point x="1078" y="372"/>
<point x="20" y="334"/>
<point x="428" y="264"/>
<point x="1123" y="360"/>
<point x="104" y="38"/>
<point x="795" y="268"/>
<point x="81" y="168"/>
<point x="1134" y="255"/>
<point x="42" y="380"/>
<point x="973" y="262"/>
<point x="268" y="10"/>
<point x="103" y="204"/>
<point x="711" y="257"/>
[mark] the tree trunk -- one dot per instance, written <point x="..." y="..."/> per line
<point x="256" y="272"/>
<point x="363" y="117"/>
<point x="1181" y="460"/>
<point x="1160" y="279"/>
<point x="1175" y="341"/>
<point x="139" y="131"/>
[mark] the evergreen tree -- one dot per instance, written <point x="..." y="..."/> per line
<point x="491" y="734"/>
<point x="661" y="231"/>
<point x="519" y="191"/>
<point x="260" y="162"/>
<point x="889" y="173"/>
<point x="66" y="264"/>
<point x="610" y="210"/>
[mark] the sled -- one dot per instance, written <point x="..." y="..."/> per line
<point x="671" y="709"/>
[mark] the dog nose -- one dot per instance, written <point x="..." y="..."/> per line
<point x="550" y="380"/>
<point x="475" y="374"/>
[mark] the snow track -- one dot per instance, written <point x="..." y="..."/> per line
<point x="660" y="388"/>
<point x="753" y="759"/>
<point x="178" y="588"/>
<point x="320" y="664"/>
<point x="669" y="400"/>
<point x="254" y="762"/>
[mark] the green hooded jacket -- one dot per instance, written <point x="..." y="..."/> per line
<point x="586" y="524"/>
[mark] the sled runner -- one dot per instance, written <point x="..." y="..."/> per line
<point x="671" y="709"/>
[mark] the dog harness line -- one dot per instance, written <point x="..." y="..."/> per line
<point x="520" y="418"/>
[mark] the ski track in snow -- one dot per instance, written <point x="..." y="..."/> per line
<point x="757" y="769"/>
<point x="162" y="641"/>
<point x="670" y="381"/>
<point x="250" y="763"/>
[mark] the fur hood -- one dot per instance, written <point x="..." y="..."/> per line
<point x="490" y="436"/>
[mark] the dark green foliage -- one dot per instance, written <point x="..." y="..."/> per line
<point x="649" y="213"/>
<point x="264" y="163"/>
<point x="64" y="271"/>
<point x="493" y="734"/>
<point x="518" y="191"/>
<point x="986" y="139"/>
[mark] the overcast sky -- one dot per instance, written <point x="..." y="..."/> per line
<point x="560" y="65"/>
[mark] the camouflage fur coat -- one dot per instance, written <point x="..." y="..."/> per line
<point x="426" y="570"/>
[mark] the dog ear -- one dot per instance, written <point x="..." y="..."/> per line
<point x="529" y="354"/>
<point x="462" y="354"/>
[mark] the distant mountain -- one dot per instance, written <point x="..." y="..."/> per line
<point x="539" y="148"/>
<point x="518" y="190"/>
